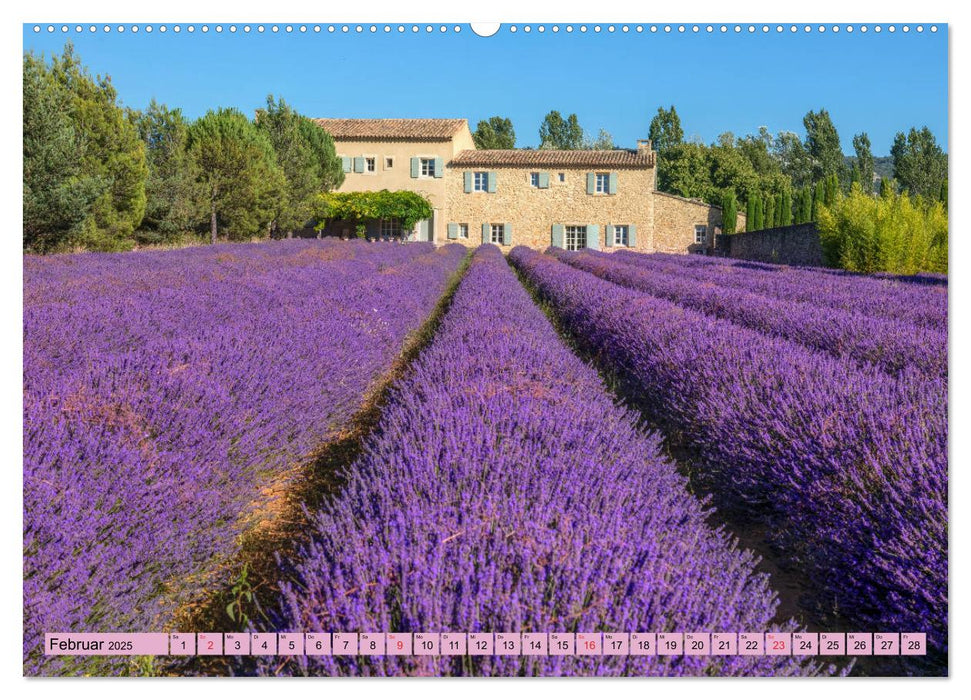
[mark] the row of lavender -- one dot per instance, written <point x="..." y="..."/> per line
<point x="880" y="298"/>
<point x="505" y="490"/>
<point x="848" y="463"/>
<point x="162" y="390"/>
<point x="895" y="346"/>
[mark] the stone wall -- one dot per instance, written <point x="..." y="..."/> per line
<point x="785" y="245"/>
<point x="531" y="212"/>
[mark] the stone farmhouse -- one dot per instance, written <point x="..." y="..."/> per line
<point x="570" y="199"/>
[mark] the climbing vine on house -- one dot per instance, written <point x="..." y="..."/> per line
<point x="407" y="207"/>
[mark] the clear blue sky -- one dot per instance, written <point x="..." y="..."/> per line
<point x="878" y="83"/>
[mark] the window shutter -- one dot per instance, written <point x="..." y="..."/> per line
<point x="346" y="163"/>
<point x="609" y="238"/>
<point x="439" y="168"/>
<point x="544" y="181"/>
<point x="485" y="233"/>
<point x="631" y="235"/>
<point x="453" y="231"/>
<point x="559" y="236"/>
<point x="415" y="167"/>
<point x="491" y="182"/>
<point x="468" y="181"/>
<point x="593" y="236"/>
<point x="507" y="234"/>
<point x="359" y="164"/>
<point x="591" y="183"/>
<point x="612" y="183"/>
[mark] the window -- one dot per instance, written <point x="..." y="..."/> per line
<point x="701" y="234"/>
<point x="370" y="164"/>
<point x="603" y="183"/>
<point x="388" y="163"/>
<point x="534" y="179"/>
<point x="480" y="182"/>
<point x="428" y="167"/>
<point x="562" y="177"/>
<point x="495" y="233"/>
<point x="463" y="230"/>
<point x="390" y="228"/>
<point x="622" y="235"/>
<point x="576" y="237"/>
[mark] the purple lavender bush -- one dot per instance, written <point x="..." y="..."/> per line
<point x="890" y="344"/>
<point x="848" y="464"/>
<point x="506" y="491"/>
<point x="920" y="305"/>
<point x="164" y="390"/>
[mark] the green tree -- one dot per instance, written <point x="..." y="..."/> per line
<point x="602" y="142"/>
<point x="770" y="210"/>
<point x="758" y="222"/>
<point x="308" y="160"/>
<point x="919" y="164"/>
<point x="804" y="206"/>
<point x="685" y="170"/>
<point x="793" y="159"/>
<point x="109" y="151"/>
<point x="57" y="194"/>
<point x="823" y="145"/>
<point x="729" y="211"/>
<point x="172" y="192"/>
<point x="784" y="215"/>
<point x="495" y="133"/>
<point x="943" y="194"/>
<point x="237" y="166"/>
<point x="864" y="161"/>
<point x="888" y="187"/>
<point x="561" y="134"/>
<point x="665" y="131"/>
<point x="893" y="233"/>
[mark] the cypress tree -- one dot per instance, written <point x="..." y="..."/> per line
<point x="770" y="206"/>
<point x="729" y="211"/>
<point x="887" y="187"/>
<point x="750" y="213"/>
<point x="818" y="194"/>
<point x="804" y="206"/>
<point x="758" y="219"/>
<point x="784" y="215"/>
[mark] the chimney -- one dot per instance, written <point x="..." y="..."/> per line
<point x="643" y="145"/>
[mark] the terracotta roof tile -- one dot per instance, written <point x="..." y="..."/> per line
<point x="392" y="129"/>
<point x="549" y="158"/>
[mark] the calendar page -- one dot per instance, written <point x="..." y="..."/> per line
<point x="439" y="349"/>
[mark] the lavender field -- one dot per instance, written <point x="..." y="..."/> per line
<point x="526" y="471"/>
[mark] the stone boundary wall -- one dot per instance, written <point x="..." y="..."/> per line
<point x="784" y="245"/>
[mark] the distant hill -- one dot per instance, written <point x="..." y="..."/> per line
<point x="882" y="168"/>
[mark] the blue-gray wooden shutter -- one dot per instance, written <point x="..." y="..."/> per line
<point x="491" y="177"/>
<point x="453" y="231"/>
<point x="612" y="183"/>
<point x="609" y="238"/>
<point x="591" y="183"/>
<point x="544" y="181"/>
<point x="439" y="167"/>
<point x="559" y="236"/>
<point x="359" y="164"/>
<point x="415" y="167"/>
<point x="346" y="163"/>
<point x="593" y="236"/>
<point x="631" y="236"/>
<point x="485" y="233"/>
<point x="507" y="234"/>
<point x="468" y="181"/>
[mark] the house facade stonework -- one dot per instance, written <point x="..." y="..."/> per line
<point x="537" y="198"/>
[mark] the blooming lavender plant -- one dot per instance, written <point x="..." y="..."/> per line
<point x="891" y="344"/>
<point x="505" y="490"/>
<point x="848" y="464"/>
<point x="164" y="390"/>
<point x="922" y="305"/>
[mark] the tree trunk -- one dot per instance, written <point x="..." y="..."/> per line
<point x="212" y="225"/>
